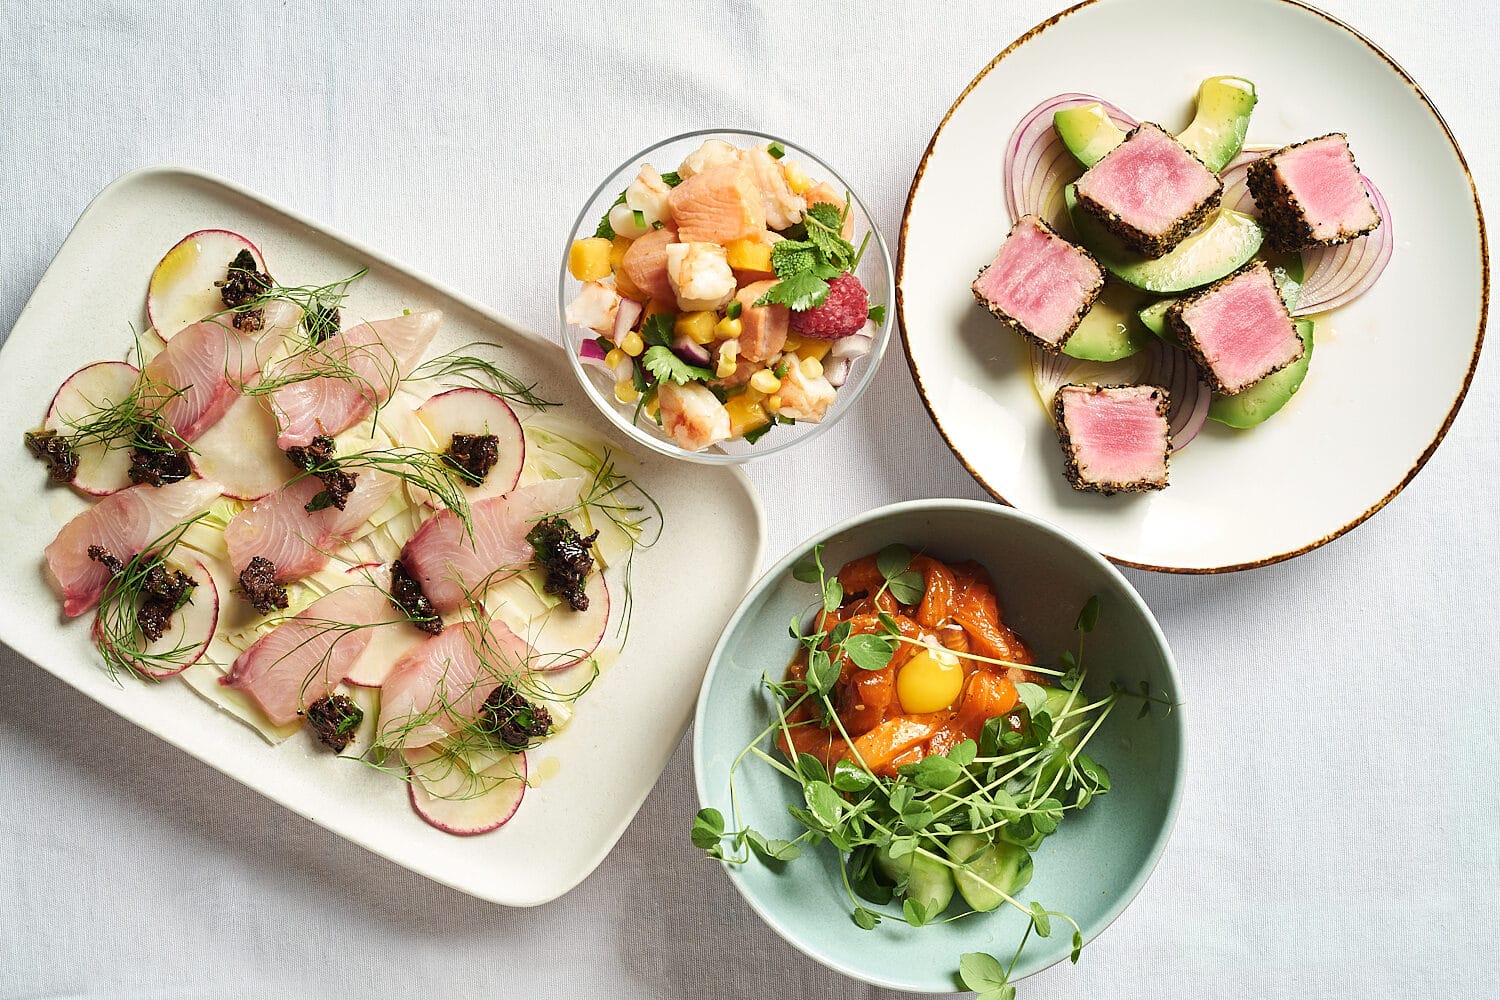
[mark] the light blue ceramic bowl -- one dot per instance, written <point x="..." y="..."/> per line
<point x="1099" y="858"/>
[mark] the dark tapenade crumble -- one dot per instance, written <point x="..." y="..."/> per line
<point x="259" y="587"/>
<point x="243" y="283"/>
<point x="153" y="460"/>
<point x="57" y="451"/>
<point x="334" y="720"/>
<point x="164" y="591"/>
<point x="474" y="455"/>
<point x="512" y="721"/>
<point x="101" y="555"/>
<point x="565" y="555"/>
<point x="317" y="458"/>
<point x="409" y="599"/>
<point x="321" y="322"/>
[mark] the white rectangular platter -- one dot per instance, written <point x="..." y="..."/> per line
<point x="597" y="772"/>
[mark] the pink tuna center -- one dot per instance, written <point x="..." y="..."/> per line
<point x="1040" y="281"/>
<point x="1150" y="182"/>
<point x="1243" y="330"/>
<point x="1324" y="181"/>
<point x="1118" y="436"/>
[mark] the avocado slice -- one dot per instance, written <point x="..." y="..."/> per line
<point x="1154" y="318"/>
<point x="1110" y="330"/>
<point x="1286" y="271"/>
<point x="1221" y="245"/>
<point x="1087" y="131"/>
<point x="1217" y="132"/>
<point x="1255" y="404"/>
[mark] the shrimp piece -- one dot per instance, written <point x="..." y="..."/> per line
<point x="699" y="274"/>
<point x="782" y="207"/>
<point x="595" y="307"/>
<point x="713" y="153"/>
<point x="649" y="195"/>
<point x="804" y="398"/>
<point x="692" y="415"/>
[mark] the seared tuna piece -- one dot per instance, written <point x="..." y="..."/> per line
<point x="1039" y="283"/>
<point x="1115" y="437"/>
<point x="1310" y="194"/>
<point x="1238" y="329"/>
<point x="1149" y="191"/>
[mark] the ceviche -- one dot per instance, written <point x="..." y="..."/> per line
<point x="926" y="745"/>
<point x="723" y="295"/>
<point x="318" y="525"/>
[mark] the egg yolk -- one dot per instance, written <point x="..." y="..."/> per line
<point x="929" y="682"/>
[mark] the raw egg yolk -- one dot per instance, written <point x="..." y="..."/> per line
<point x="929" y="682"/>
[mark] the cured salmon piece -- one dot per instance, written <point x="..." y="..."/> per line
<point x="762" y="328"/>
<point x="124" y="524"/>
<point x="450" y="565"/>
<point x="718" y="205"/>
<point x="645" y="264"/>
<point x="441" y="685"/>
<point x="370" y="360"/>
<point x="280" y="528"/>
<point x="304" y="659"/>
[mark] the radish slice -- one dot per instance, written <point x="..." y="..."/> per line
<point x="476" y="411"/>
<point x="1188" y="396"/>
<point x="188" y="638"/>
<point x="480" y="803"/>
<point x="560" y="636"/>
<point x="1038" y="165"/>
<point x="182" y="289"/>
<point x="240" y="454"/>
<point x="103" y="467"/>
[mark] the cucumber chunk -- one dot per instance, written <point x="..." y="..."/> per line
<point x="988" y="867"/>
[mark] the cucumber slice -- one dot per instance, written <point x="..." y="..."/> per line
<point x="1005" y="867"/>
<point x="1257" y="403"/>
<point x="1088" y="132"/>
<point x="1217" y="132"/>
<point x="1110" y="329"/>
<point x="1222" y="245"/>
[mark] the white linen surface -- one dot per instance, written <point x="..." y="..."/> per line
<point x="1339" y="831"/>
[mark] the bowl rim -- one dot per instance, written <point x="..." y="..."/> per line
<point x="848" y="395"/>
<point x="983" y="508"/>
<point x="1458" y="400"/>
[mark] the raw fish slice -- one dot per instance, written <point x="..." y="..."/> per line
<point x="377" y="356"/>
<point x="297" y="542"/>
<point x="1238" y="330"/>
<point x="124" y="523"/>
<point x="450" y="565"/>
<point x="303" y="659"/>
<point x="1149" y="191"/>
<point x="1039" y="284"/>
<point x="1115" y="437"/>
<point x="440" y="686"/>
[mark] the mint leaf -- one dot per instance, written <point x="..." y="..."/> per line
<point x="789" y="257"/>
<point x="800" y="292"/>
<point x="668" y="367"/>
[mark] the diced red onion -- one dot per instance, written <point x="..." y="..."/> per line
<point x="1187" y="394"/>
<point x="837" y="371"/>
<point x="1038" y="165"/>
<point x="855" y="345"/>
<point x="590" y="353"/>
<point x="629" y="311"/>
<point x="690" y="351"/>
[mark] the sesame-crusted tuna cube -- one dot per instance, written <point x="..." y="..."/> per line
<point x="1115" y="438"/>
<point x="1310" y="194"/>
<point x="1149" y="191"/>
<point x="1237" y="329"/>
<point x="1039" y="284"/>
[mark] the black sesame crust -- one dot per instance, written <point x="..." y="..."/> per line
<point x="1281" y="215"/>
<point x="1150" y="244"/>
<point x="1015" y="324"/>
<point x="1070" y="454"/>
<point x="1184" y="333"/>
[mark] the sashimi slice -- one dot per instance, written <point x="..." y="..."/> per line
<point x="124" y="524"/>
<point x="239" y="451"/>
<point x="280" y="528"/>
<point x="441" y="685"/>
<point x="1039" y="284"/>
<point x="451" y="565"/>
<point x="368" y="362"/>
<point x="303" y="659"/>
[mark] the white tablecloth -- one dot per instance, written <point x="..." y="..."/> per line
<point x="1339" y="831"/>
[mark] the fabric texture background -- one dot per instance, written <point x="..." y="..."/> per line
<point x="1338" y="833"/>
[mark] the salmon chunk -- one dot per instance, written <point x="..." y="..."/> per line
<point x="719" y="205"/>
<point x="763" y="328"/>
<point x="645" y="263"/>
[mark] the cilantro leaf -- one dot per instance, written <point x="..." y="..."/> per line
<point x="671" y="178"/>
<point x="668" y="367"/>
<point x="658" y="329"/>
<point x="605" y="231"/>
<point x="789" y="257"/>
<point x="800" y="292"/>
<point x="750" y="437"/>
<point x="877" y="314"/>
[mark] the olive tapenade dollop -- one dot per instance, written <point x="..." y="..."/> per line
<point x="317" y="458"/>
<point x="334" y="720"/>
<point x="244" y="283"/>
<point x="154" y="461"/>
<point x="57" y="451"/>
<point x="565" y="556"/>
<point x="258" y="586"/>
<point x="474" y="455"/>
<point x="409" y="599"/>
<point x="512" y="721"/>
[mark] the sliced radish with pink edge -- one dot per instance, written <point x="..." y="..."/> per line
<point x="239" y="452"/>
<point x="102" y="470"/>
<point x="481" y="803"/>
<point x="477" y="411"/>
<point x="191" y="633"/>
<point x="182" y="289"/>
<point x="388" y="644"/>
<point x="561" y="637"/>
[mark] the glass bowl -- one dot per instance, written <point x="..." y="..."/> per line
<point x="874" y="271"/>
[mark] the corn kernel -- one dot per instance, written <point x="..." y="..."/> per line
<point x="814" y="348"/>
<point x="617" y="248"/>
<point x="632" y="344"/>
<point x="615" y="357"/>
<point x="726" y="367"/>
<point x="696" y="326"/>
<point x="773" y="404"/>
<point x="626" y="287"/>
<point x="588" y="260"/>
<point x="727" y="328"/>
<point x="749" y="254"/>
<point x="746" y="414"/>
<point x="811" y="368"/>
<point x="653" y="407"/>
<point x="795" y="178"/>
<point x="765" y="381"/>
<point x="625" y="392"/>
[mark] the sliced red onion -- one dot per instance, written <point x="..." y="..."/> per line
<point x="1050" y="372"/>
<point x="591" y="354"/>
<point x="629" y="311"/>
<point x="1236" y="193"/>
<point x="693" y="353"/>
<point x="837" y="371"/>
<point x="1037" y="164"/>
<point x="1188" y="396"/>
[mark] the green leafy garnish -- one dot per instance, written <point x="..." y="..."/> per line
<point x="804" y="266"/>
<point x="668" y="367"/>
<point x="658" y="329"/>
<point x="877" y="314"/>
<point x="605" y="231"/>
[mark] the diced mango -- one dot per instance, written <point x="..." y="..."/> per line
<point x="745" y="414"/>
<point x="657" y="306"/>
<point x="728" y="328"/>
<point x="796" y="179"/>
<point x="617" y="248"/>
<point x="749" y="255"/>
<point x="588" y="260"/>
<point x="696" y="326"/>
<point x="626" y="287"/>
<point x="814" y="348"/>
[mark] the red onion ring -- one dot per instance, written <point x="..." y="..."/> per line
<point x="1037" y="164"/>
<point x="1050" y="372"/>
<point x="1187" y="395"/>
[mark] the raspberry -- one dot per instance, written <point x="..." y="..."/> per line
<point x="842" y="313"/>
